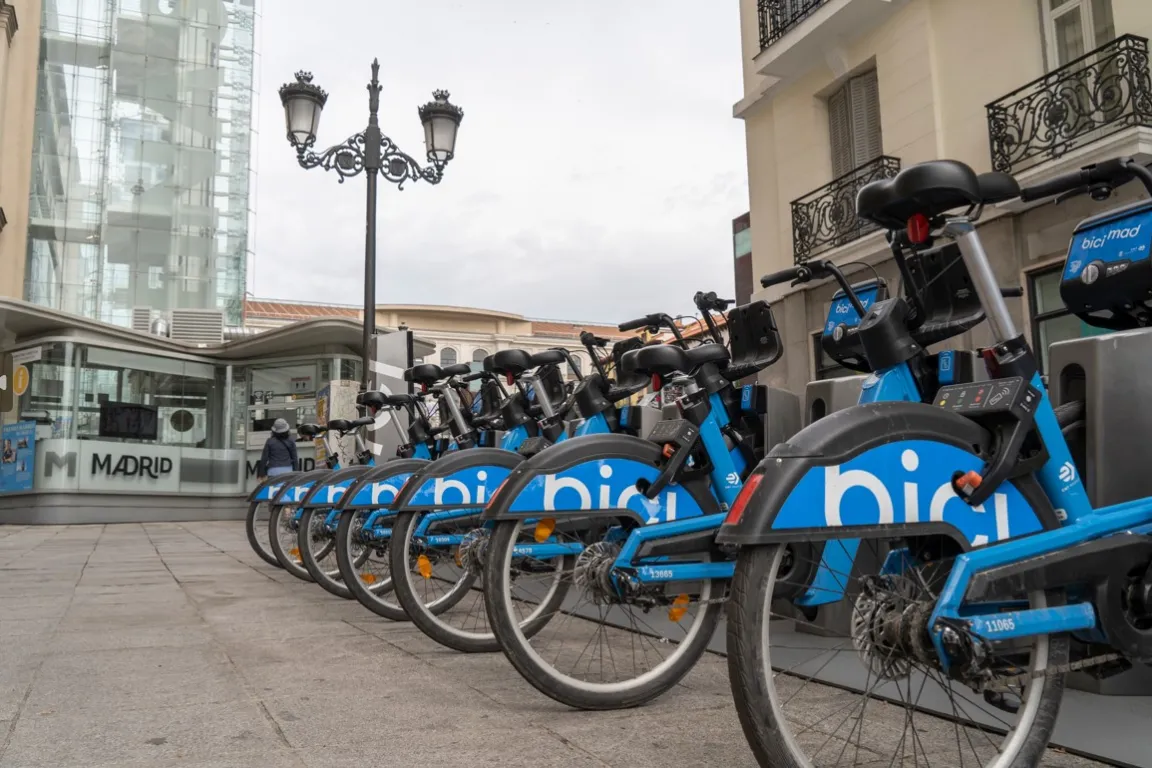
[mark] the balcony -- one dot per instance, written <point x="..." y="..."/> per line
<point x="779" y="16"/>
<point x="796" y="36"/>
<point x="1090" y="99"/>
<point x="826" y="218"/>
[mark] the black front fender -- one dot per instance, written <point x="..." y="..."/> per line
<point x="894" y="463"/>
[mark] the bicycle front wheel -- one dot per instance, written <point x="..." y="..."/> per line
<point x="283" y="538"/>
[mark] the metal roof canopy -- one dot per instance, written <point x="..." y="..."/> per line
<point x="22" y="322"/>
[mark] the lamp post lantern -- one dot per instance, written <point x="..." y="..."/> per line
<point x="371" y="152"/>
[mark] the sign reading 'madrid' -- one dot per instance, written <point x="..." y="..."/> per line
<point x="100" y="466"/>
<point x="605" y="484"/>
<point x="904" y="482"/>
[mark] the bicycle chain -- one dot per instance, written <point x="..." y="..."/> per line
<point x="1001" y="684"/>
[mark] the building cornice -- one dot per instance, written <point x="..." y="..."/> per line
<point x="8" y="19"/>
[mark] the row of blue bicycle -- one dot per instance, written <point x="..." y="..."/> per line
<point x="907" y="580"/>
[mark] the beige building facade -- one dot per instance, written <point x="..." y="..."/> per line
<point x="838" y="93"/>
<point x="460" y="334"/>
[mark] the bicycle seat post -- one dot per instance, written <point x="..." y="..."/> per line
<point x="453" y="403"/>
<point x="963" y="231"/>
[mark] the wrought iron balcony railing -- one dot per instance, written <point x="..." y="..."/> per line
<point x="826" y="218"/>
<point x="779" y="16"/>
<point x="1086" y="100"/>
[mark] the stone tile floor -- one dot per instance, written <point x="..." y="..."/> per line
<point x="174" y="645"/>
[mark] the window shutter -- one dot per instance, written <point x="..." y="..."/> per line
<point x="864" y="95"/>
<point x="840" y="133"/>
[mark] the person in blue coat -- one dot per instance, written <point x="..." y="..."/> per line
<point x="279" y="451"/>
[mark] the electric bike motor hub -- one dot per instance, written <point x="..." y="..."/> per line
<point x="593" y="571"/>
<point x="890" y="629"/>
<point x="471" y="551"/>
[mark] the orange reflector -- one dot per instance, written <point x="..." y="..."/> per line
<point x="679" y="608"/>
<point x="424" y="565"/>
<point x="368" y="578"/>
<point x="669" y="449"/>
<point x="294" y="552"/>
<point x="458" y="558"/>
<point x="544" y="529"/>
<point x="970" y="479"/>
<point x="750" y="486"/>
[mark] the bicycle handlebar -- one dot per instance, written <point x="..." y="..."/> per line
<point x="642" y="322"/>
<point x="1014" y="292"/>
<point x="711" y="302"/>
<point x="655" y="320"/>
<point x="1109" y="173"/>
<point x="363" y="421"/>
<point x="589" y="339"/>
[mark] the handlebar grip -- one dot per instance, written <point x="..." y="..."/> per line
<point x="1114" y="172"/>
<point x="783" y="276"/>
<point x="1014" y="292"/>
<point x="633" y="325"/>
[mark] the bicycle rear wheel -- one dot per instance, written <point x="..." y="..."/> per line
<point x="599" y="649"/>
<point x="365" y="564"/>
<point x="889" y="705"/>
<point x="283" y="537"/>
<point x="256" y="526"/>
<point x="317" y="544"/>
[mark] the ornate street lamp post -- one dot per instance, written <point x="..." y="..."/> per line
<point x="371" y="151"/>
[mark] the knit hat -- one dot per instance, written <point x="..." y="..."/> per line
<point x="280" y="427"/>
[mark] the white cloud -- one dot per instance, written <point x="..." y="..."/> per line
<point x="597" y="172"/>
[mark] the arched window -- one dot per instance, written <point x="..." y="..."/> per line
<point x="447" y="357"/>
<point x="479" y="355"/>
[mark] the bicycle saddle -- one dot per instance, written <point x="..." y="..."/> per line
<point x="372" y="399"/>
<point x="340" y="425"/>
<point x="430" y="374"/>
<point x="548" y="356"/>
<point x="509" y="362"/>
<point x="665" y="359"/>
<point x="628" y="380"/>
<point x="931" y="189"/>
<point x="310" y="430"/>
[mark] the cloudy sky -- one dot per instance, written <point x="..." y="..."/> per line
<point x="596" y="177"/>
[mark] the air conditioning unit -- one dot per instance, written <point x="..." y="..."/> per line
<point x="142" y="319"/>
<point x="198" y="326"/>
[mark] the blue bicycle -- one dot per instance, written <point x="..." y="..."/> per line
<point x="287" y="492"/>
<point x="959" y="545"/>
<point x="626" y="525"/>
<point x="438" y="541"/>
<point x="362" y="527"/>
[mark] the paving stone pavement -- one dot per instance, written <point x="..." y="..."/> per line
<point x="174" y="645"/>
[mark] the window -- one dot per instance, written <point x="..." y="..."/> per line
<point x="825" y="367"/>
<point x="447" y="357"/>
<point x="854" y="123"/>
<point x="1051" y="321"/>
<point x="1072" y="28"/>
<point x="479" y="355"/>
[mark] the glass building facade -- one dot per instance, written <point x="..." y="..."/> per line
<point x="142" y="157"/>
